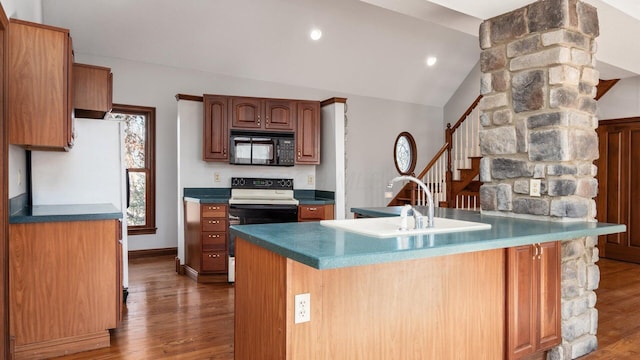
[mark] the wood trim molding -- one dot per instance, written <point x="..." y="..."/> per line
<point x="136" y="254"/>
<point x="333" y="100"/>
<point x="604" y="86"/>
<point x="189" y="97"/>
<point x="619" y="121"/>
<point x="5" y="344"/>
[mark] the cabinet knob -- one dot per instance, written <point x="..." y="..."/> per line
<point x="224" y="151"/>
<point x="299" y="154"/>
<point x="312" y="209"/>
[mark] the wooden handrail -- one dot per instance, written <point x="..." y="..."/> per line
<point x="433" y="161"/>
<point x="466" y="113"/>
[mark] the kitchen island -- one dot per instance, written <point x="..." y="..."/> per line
<point x="407" y="297"/>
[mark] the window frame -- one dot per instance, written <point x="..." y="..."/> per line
<point x="150" y="166"/>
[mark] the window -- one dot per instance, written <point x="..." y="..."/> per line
<point x="139" y="160"/>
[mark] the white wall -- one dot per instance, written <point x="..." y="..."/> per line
<point x="622" y="101"/>
<point x="330" y="174"/>
<point x="372" y="127"/>
<point x="466" y="94"/>
<point x="29" y="10"/>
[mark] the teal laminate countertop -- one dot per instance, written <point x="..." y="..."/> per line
<point x="324" y="247"/>
<point x="62" y="213"/>
<point x="222" y="195"/>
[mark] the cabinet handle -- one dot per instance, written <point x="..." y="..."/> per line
<point x="312" y="209"/>
<point x="214" y="236"/>
<point x="214" y="207"/>
<point x="299" y="154"/>
<point x="535" y="255"/>
<point x="214" y="221"/>
<point x="224" y="151"/>
<point x="214" y="255"/>
<point x="541" y="250"/>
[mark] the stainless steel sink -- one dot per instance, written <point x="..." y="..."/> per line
<point x="384" y="227"/>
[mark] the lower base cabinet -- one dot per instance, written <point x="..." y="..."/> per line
<point x="206" y="241"/>
<point x="65" y="286"/>
<point x="315" y="212"/>
<point x="533" y="299"/>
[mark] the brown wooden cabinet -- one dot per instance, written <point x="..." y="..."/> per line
<point x="619" y="187"/>
<point x="65" y="286"/>
<point x="262" y="114"/>
<point x="215" y="133"/>
<point x="206" y="241"/>
<point x="92" y="91"/>
<point x="315" y="212"/>
<point x="40" y="86"/>
<point x="308" y="133"/>
<point x="533" y="298"/>
<point x="223" y="113"/>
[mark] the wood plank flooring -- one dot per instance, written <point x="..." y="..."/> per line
<point x="169" y="316"/>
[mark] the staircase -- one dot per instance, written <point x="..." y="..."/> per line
<point x="452" y="175"/>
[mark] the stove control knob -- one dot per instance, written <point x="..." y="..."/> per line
<point x="269" y="183"/>
<point x="241" y="182"/>
<point x="288" y="183"/>
<point x="234" y="182"/>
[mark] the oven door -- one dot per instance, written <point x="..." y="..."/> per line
<point x="243" y="214"/>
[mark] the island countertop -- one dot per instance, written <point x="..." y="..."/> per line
<point x="324" y="247"/>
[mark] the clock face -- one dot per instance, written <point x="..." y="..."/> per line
<point x="405" y="153"/>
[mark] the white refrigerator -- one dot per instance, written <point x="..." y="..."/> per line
<point x="92" y="172"/>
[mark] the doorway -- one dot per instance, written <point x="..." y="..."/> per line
<point x="618" y="198"/>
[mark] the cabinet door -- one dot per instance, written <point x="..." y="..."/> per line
<point x="521" y="301"/>
<point x="92" y="91"/>
<point x="549" y="257"/>
<point x="39" y="86"/>
<point x="533" y="299"/>
<point x="308" y="133"/>
<point x="279" y="114"/>
<point x="215" y="134"/>
<point x="246" y="113"/>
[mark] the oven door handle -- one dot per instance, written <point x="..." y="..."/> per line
<point x="262" y="207"/>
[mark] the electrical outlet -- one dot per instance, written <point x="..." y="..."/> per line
<point x="216" y="177"/>
<point x="310" y="180"/>
<point x="302" y="308"/>
<point x="534" y="187"/>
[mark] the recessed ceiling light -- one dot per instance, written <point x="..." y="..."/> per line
<point x="431" y="60"/>
<point x="315" y="34"/>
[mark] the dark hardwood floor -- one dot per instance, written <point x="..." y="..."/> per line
<point x="171" y="317"/>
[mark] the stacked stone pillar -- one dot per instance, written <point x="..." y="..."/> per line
<point x="538" y="117"/>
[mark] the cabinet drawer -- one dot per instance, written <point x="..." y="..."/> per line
<point x="214" y="241"/>
<point x="214" y="261"/>
<point x="217" y="225"/>
<point x="313" y="213"/>
<point x="213" y="211"/>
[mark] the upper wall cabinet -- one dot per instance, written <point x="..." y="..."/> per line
<point x="262" y="114"/>
<point x="222" y="113"/>
<point x="40" y="86"/>
<point x="308" y="133"/>
<point x="92" y="91"/>
<point x="215" y="133"/>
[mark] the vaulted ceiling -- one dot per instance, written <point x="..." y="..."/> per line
<point x="373" y="48"/>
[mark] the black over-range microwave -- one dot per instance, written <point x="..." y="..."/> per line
<point x="262" y="148"/>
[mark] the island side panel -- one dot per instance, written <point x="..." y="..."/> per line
<point x="449" y="307"/>
<point x="260" y="303"/>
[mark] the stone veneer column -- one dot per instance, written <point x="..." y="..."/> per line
<point x="538" y="120"/>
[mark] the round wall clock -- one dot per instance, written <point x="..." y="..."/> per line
<point x="404" y="153"/>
